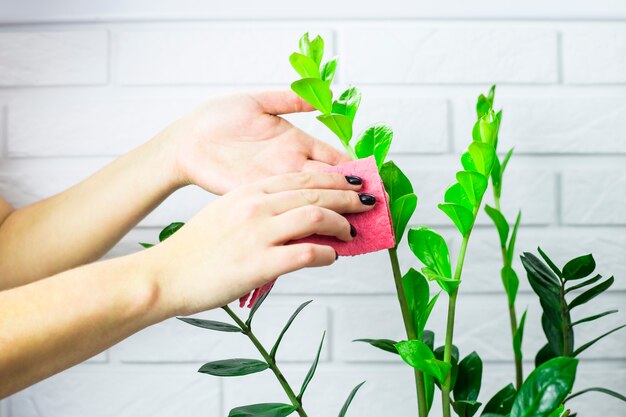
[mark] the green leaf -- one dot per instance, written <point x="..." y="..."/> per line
<point x="431" y="249"/>
<point x="460" y="216"/>
<point x="233" y="367"/>
<point x="348" y="103"/>
<point x="597" y="389"/>
<point x="501" y="402"/>
<point x="344" y="409"/>
<point x="309" y="375"/>
<point x="428" y="337"/>
<point x="510" y="281"/>
<point x="384" y="344"/>
<point x="396" y="183"/>
<point x="262" y="410"/>
<point x="545" y="284"/>
<point x="592" y="342"/>
<point x="416" y="354"/>
<point x="591" y="293"/>
<point x="315" y="92"/>
<point x="483" y="156"/>
<point x="511" y="248"/>
<point x="210" y="324"/>
<point x="286" y="327"/>
<point x="255" y="308"/>
<point x="469" y="378"/>
<point x="429" y="390"/>
<point x="417" y="294"/>
<point x="339" y="124"/>
<point x="505" y="161"/>
<point x="328" y="71"/>
<point x="594" y="317"/>
<point x="449" y="285"/>
<point x="485" y="103"/>
<point x="543" y="355"/>
<point x="429" y="308"/>
<point x="486" y="128"/>
<point x="454" y="362"/>
<point x="468" y="162"/>
<point x="313" y="49"/>
<point x="500" y="222"/>
<point x="457" y="195"/>
<point x="580" y="267"/>
<point x="170" y="230"/>
<point x="375" y="140"/>
<point x="465" y="408"/>
<point x="518" y="337"/>
<point x="474" y="184"/>
<point x="401" y="211"/>
<point x="146" y="245"/>
<point x="554" y="333"/>
<point x="551" y="264"/>
<point x="545" y="388"/>
<point x="304" y="66"/>
<point x="584" y="283"/>
<point x="496" y="177"/>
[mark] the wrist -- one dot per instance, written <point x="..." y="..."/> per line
<point x="161" y="162"/>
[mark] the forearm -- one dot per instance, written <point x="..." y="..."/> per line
<point x="82" y="223"/>
<point x="55" y="323"/>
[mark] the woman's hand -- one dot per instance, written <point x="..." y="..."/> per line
<point x="237" y="139"/>
<point x="238" y="243"/>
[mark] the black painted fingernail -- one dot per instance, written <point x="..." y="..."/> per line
<point x="336" y="255"/>
<point x="367" y="199"/>
<point x="354" y="180"/>
<point x="352" y="231"/>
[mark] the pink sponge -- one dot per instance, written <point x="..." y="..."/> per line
<point x="374" y="227"/>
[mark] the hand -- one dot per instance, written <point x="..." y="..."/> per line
<point x="237" y="139"/>
<point x="237" y="243"/>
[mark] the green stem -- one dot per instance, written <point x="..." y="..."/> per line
<point x="565" y="327"/>
<point x="447" y="354"/>
<point x="349" y="149"/>
<point x="270" y="361"/>
<point x="410" y="330"/>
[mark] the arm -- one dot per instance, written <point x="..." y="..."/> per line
<point x="232" y="246"/>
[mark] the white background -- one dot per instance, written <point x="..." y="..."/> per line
<point x="82" y="82"/>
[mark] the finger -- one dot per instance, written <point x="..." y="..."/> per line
<point x="281" y="102"/>
<point x="323" y="152"/>
<point x="290" y="258"/>
<point x="306" y="221"/>
<point x="301" y="180"/>
<point x="340" y="201"/>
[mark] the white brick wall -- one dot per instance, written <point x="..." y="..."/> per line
<point x="82" y="82"/>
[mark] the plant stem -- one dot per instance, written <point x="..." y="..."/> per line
<point x="566" y="325"/>
<point x="447" y="354"/>
<point x="270" y="361"/>
<point x="349" y="149"/>
<point x="410" y="330"/>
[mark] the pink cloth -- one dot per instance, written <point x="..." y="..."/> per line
<point x="374" y="227"/>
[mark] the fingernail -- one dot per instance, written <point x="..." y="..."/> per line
<point x="354" y="180"/>
<point x="336" y="255"/>
<point x="352" y="231"/>
<point x="367" y="199"/>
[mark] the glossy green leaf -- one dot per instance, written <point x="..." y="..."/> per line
<point x="339" y="124"/>
<point x="500" y="222"/>
<point x="429" y="390"/>
<point x="510" y="250"/>
<point x="233" y="367"/>
<point x="474" y="184"/>
<point x="401" y="211"/>
<point x="558" y="412"/>
<point x="170" y="230"/>
<point x="485" y="103"/>
<point x="315" y="92"/>
<point x="501" y="402"/>
<point x="496" y="177"/>
<point x="375" y="140"/>
<point x="384" y="344"/>
<point x="449" y="285"/>
<point x="594" y="317"/>
<point x="328" y="71"/>
<point x="428" y="337"/>
<point x="554" y="333"/>
<point x="454" y="363"/>
<point x="584" y="283"/>
<point x="262" y="410"/>
<point x="468" y="162"/>
<point x="255" y="308"/>
<point x="465" y="408"/>
<point x="309" y="375"/>
<point x="597" y="389"/>
<point x="304" y="66"/>
<point x="286" y="327"/>
<point x="146" y="245"/>
<point x="551" y="264"/>
<point x="211" y="324"/>
<point x="430" y="248"/>
<point x="580" y="267"/>
<point x="396" y="183"/>
<point x="424" y="318"/>
<point x="469" y="379"/>
<point x="416" y="354"/>
<point x="518" y="337"/>
<point x="457" y="195"/>
<point x="346" y="405"/>
<point x="486" y="128"/>
<point x="592" y="342"/>
<point x="348" y="103"/>
<point x="510" y="281"/>
<point x="417" y="293"/>
<point x="591" y="293"/>
<point x="543" y="355"/>
<point x="545" y="284"/>
<point x="505" y="161"/>
<point x="483" y="156"/>
<point x="545" y="388"/>
<point x="312" y="48"/>
<point x="460" y="216"/>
